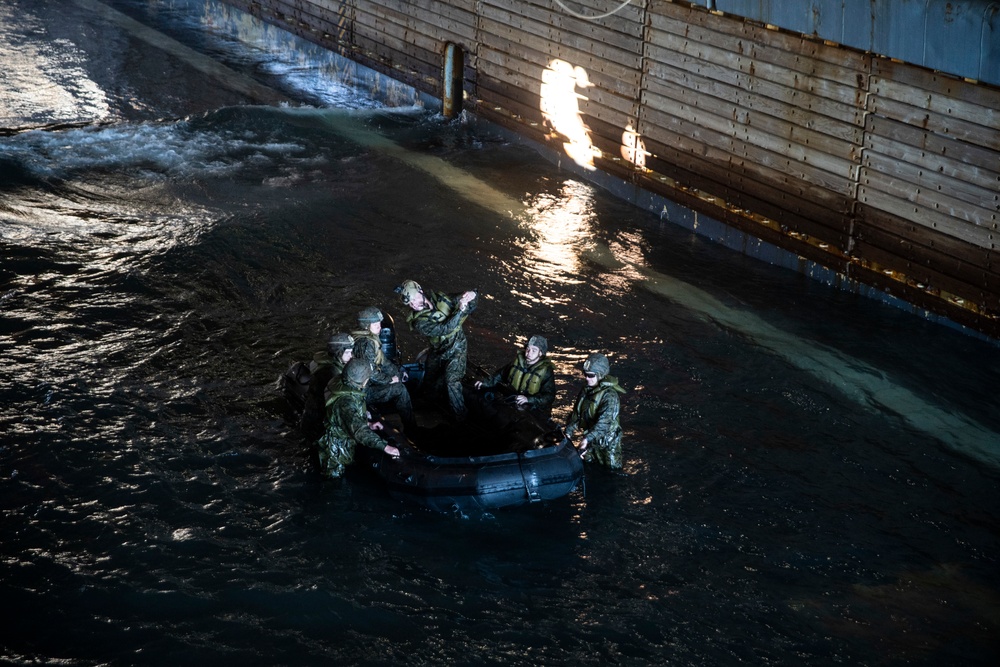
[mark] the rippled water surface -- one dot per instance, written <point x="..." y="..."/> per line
<point x="189" y="202"/>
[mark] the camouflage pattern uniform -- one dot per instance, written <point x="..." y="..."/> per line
<point x="595" y="413"/>
<point x="324" y="370"/>
<point x="449" y="349"/>
<point x="381" y="389"/>
<point x="347" y="422"/>
<point x="327" y="366"/>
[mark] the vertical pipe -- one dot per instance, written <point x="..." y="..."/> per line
<point x="451" y="95"/>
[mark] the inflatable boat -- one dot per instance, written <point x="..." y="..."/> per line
<point x="499" y="456"/>
<point x="484" y="464"/>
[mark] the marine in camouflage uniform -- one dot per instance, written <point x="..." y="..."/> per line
<point x="347" y="422"/>
<point x="340" y="350"/>
<point x="531" y="376"/>
<point x="440" y="317"/>
<point x="595" y="414"/>
<point x="386" y="385"/>
<point x="324" y="369"/>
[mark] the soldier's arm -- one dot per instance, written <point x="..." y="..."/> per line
<point x="382" y="374"/>
<point x="494" y="379"/>
<point x="574" y="417"/>
<point x="362" y="433"/>
<point x="429" y="327"/>
<point x="390" y="370"/>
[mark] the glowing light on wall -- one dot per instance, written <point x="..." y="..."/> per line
<point x="560" y="106"/>
<point x="633" y="148"/>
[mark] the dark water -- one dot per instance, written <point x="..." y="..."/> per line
<point x="812" y="476"/>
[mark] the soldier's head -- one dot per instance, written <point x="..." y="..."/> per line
<point x="595" y="367"/>
<point x="356" y="373"/>
<point x="535" y="348"/>
<point x="370" y="319"/>
<point x="411" y="294"/>
<point x="339" y="346"/>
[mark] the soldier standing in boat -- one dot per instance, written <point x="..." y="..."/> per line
<point x="530" y="376"/>
<point x="595" y="414"/>
<point x="440" y="317"/>
<point x="386" y="384"/>
<point x="347" y="422"/>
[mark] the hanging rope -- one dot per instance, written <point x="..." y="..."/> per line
<point x="592" y="18"/>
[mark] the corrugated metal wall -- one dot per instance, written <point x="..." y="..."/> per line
<point x="961" y="37"/>
<point x="884" y="172"/>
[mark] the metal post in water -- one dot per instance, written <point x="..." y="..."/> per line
<point x="451" y="95"/>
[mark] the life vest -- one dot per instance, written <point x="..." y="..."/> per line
<point x="525" y="379"/>
<point x="586" y="405"/>
<point x="442" y="307"/>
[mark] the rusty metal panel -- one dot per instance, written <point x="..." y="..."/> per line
<point x="765" y="120"/>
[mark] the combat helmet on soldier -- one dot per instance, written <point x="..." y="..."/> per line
<point x="356" y="373"/>
<point x="369" y="316"/>
<point x="595" y="414"/>
<point x="597" y="364"/>
<point x="540" y="343"/>
<point x="339" y="342"/>
<point x="408" y="290"/>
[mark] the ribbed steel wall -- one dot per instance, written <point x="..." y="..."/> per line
<point x="885" y="173"/>
<point x="960" y="37"/>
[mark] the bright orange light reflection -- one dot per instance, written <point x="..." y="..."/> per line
<point x="561" y="109"/>
<point x="633" y="148"/>
<point x="560" y="227"/>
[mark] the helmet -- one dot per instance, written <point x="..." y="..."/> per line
<point x="597" y="363"/>
<point x="408" y="290"/>
<point x="369" y="316"/>
<point x="540" y="343"/>
<point x="339" y="342"/>
<point x="357" y="371"/>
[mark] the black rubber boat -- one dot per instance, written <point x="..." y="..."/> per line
<point x="500" y="456"/>
<point x="486" y="482"/>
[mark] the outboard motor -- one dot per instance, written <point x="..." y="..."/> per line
<point x="387" y="337"/>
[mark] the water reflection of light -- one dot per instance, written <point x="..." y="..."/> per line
<point x="561" y="109"/>
<point x="43" y="82"/>
<point x="627" y="247"/>
<point x="149" y="226"/>
<point x="313" y="71"/>
<point x="560" y="228"/>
